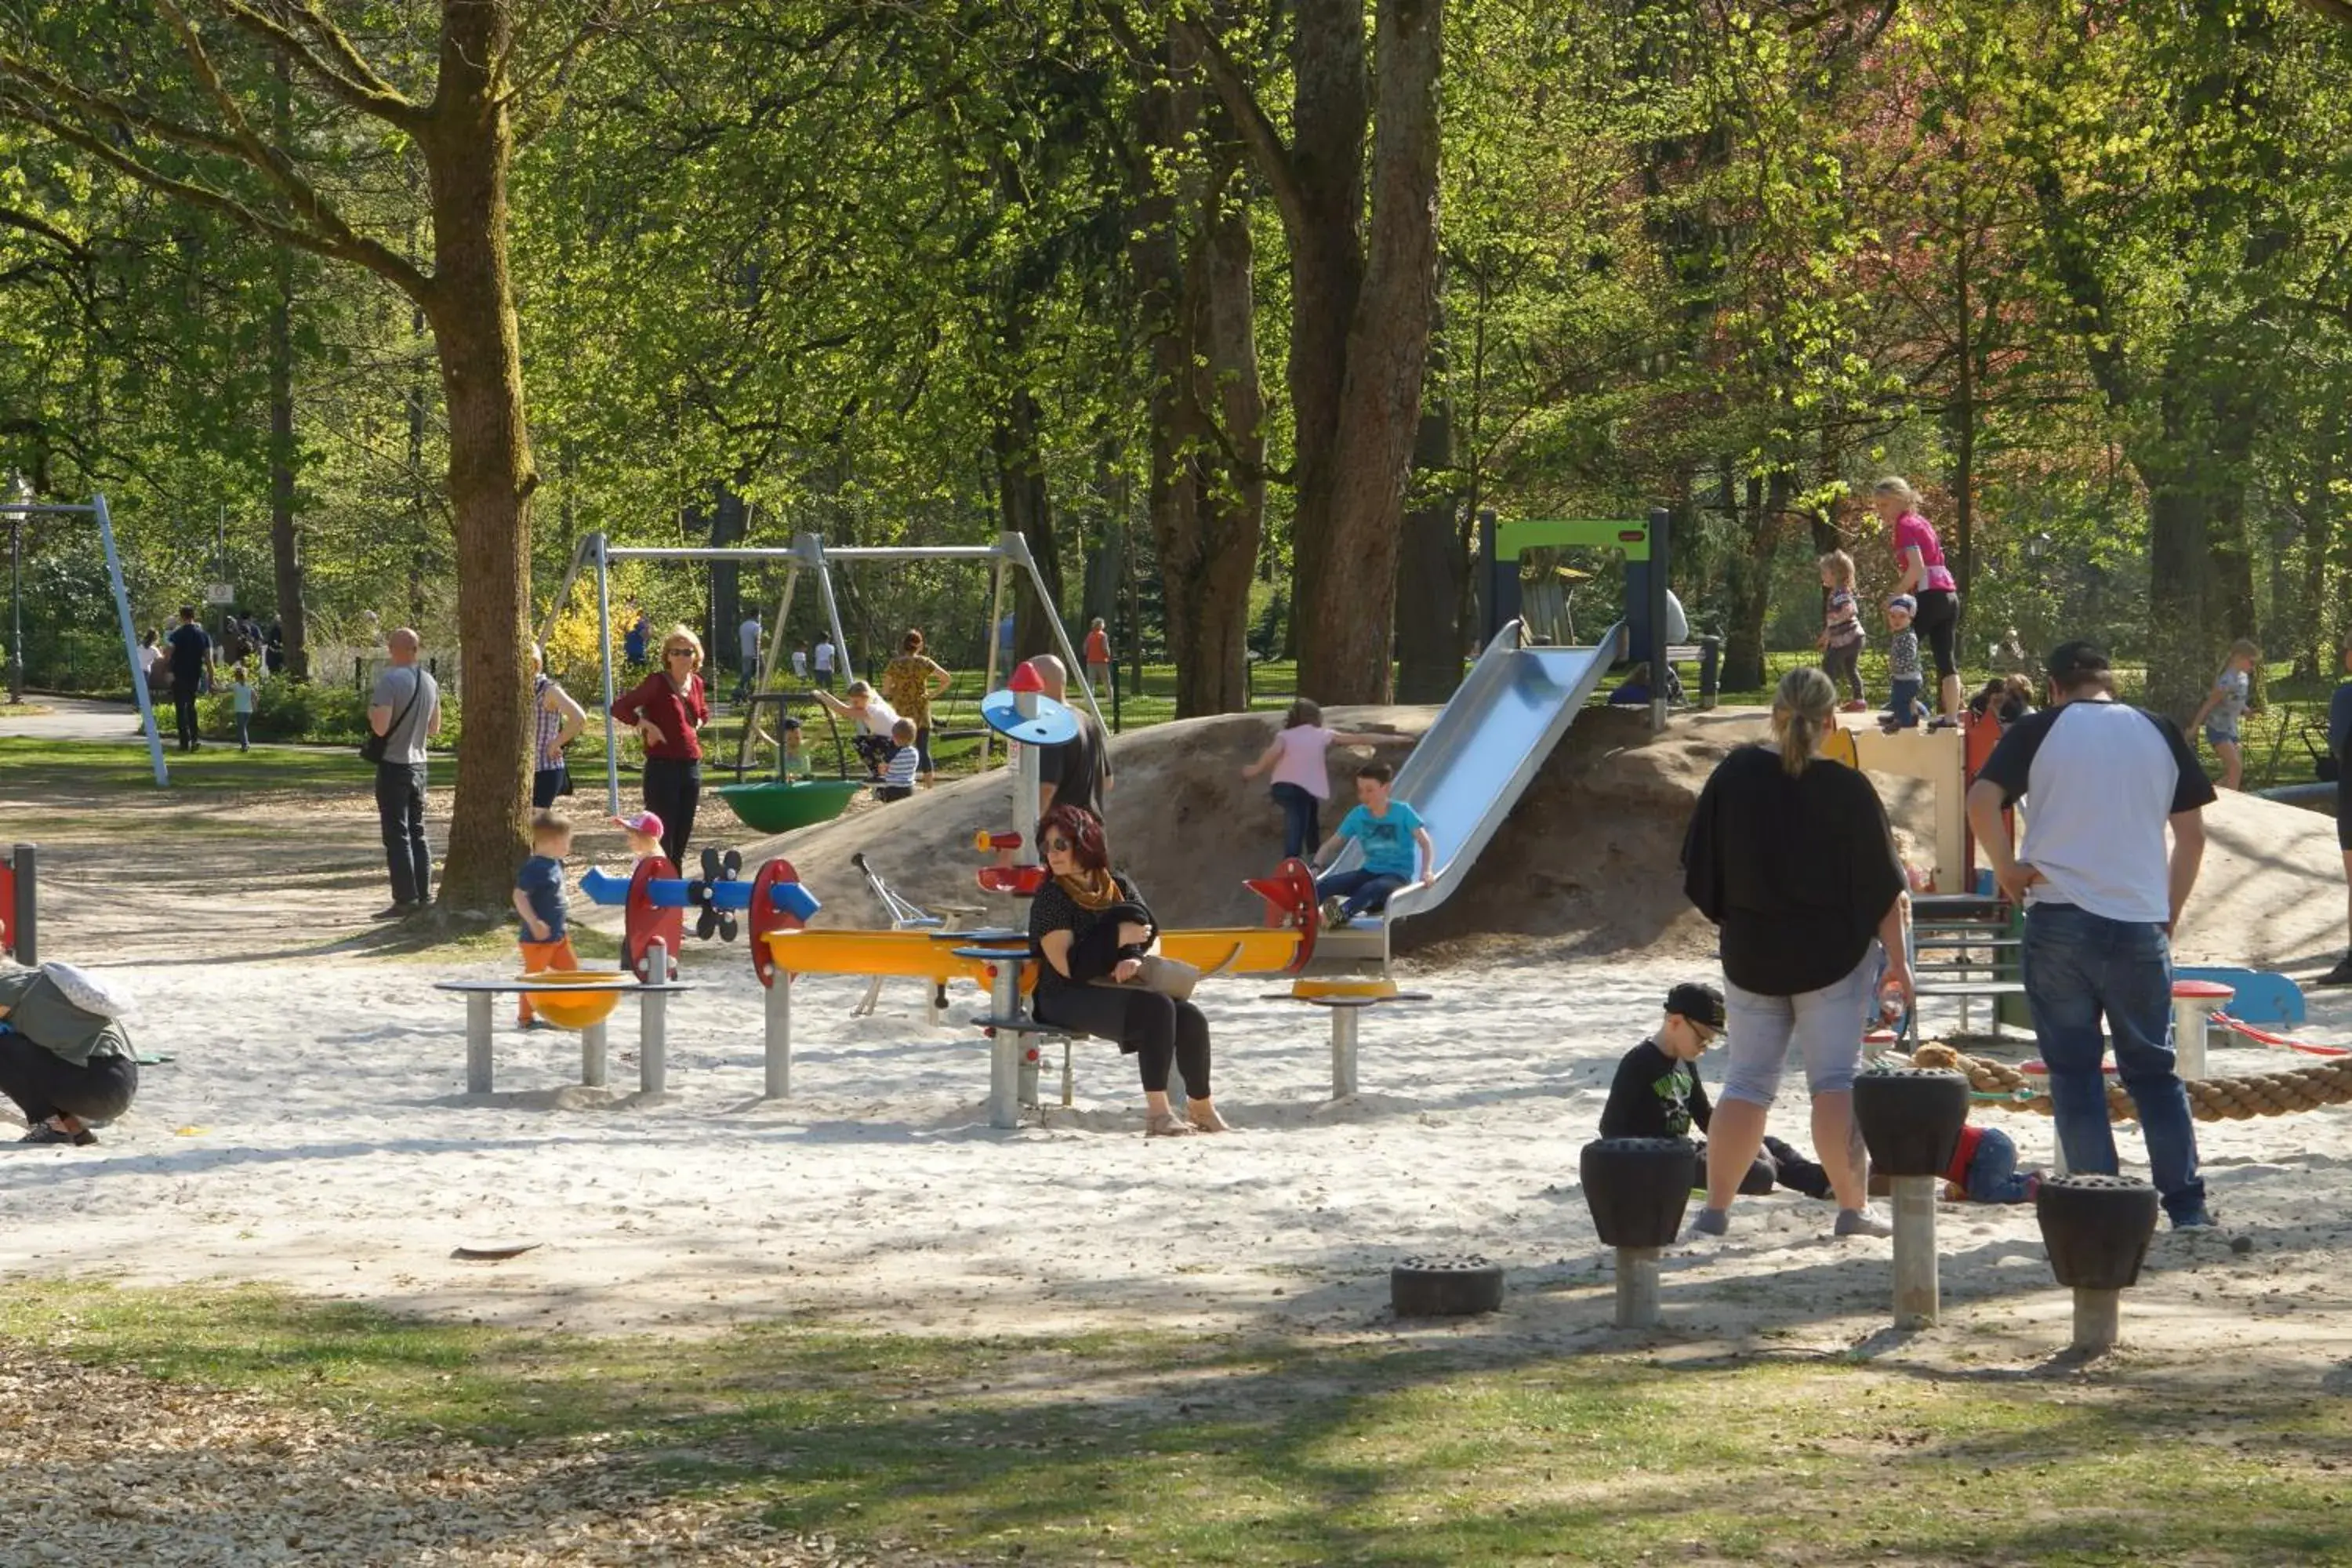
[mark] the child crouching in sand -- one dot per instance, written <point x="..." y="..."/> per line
<point x="1657" y="1093"/>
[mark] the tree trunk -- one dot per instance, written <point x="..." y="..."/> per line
<point x="471" y="308"/>
<point x="2318" y="543"/>
<point x="1025" y="507"/>
<point x="1750" y="585"/>
<point x="286" y="557"/>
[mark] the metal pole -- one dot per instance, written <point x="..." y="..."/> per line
<point x="1004" y="1050"/>
<point x="653" y="1023"/>
<point x="592" y="1056"/>
<point x="780" y="1035"/>
<point x="1915" y="1294"/>
<point x="995" y="619"/>
<point x="478" y="1042"/>
<point x="1343" y="1052"/>
<point x="130" y="640"/>
<point x="818" y="557"/>
<point x="605" y="660"/>
<point x="2098" y="1316"/>
<point x="1017" y="549"/>
<point x="25" y="862"/>
<point x="1637" y="1287"/>
<point x="16" y="609"/>
<point x="1659" y="519"/>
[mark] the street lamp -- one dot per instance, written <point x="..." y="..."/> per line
<point x="20" y="494"/>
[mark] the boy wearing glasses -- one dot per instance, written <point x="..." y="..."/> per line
<point x="1657" y="1093"/>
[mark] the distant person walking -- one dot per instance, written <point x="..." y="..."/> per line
<point x="2102" y="782"/>
<point x="404" y="707"/>
<point x="2225" y="706"/>
<point x="634" y="642"/>
<point x="823" y="661"/>
<point x="241" y="689"/>
<point x="1921" y="572"/>
<point x="667" y="708"/>
<point x="746" y="642"/>
<point x="1096" y="654"/>
<point x="192" y="657"/>
<point x="911" y="684"/>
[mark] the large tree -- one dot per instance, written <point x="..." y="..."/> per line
<point x="275" y="115"/>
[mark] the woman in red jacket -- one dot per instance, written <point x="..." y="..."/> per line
<point x="665" y="709"/>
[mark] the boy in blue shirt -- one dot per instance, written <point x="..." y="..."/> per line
<point x="1393" y="841"/>
<point x="546" y="939"/>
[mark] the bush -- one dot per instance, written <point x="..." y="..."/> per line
<point x="287" y="710"/>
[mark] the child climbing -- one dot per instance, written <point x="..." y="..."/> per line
<point x="1904" y="709"/>
<point x="1302" y="775"/>
<point x="2225" y="705"/>
<point x="1842" y="635"/>
<point x="898" y="776"/>
<point x="546" y="939"/>
<point x="1657" y="1093"/>
<point x="1394" y="841"/>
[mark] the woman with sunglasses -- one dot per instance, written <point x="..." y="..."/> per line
<point x="667" y="708"/>
<point x="1089" y="924"/>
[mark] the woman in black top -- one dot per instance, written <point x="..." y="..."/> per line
<point x="1089" y="927"/>
<point x="1790" y="856"/>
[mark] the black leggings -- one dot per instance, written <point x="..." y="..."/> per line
<point x="673" y="789"/>
<point x="1158" y="1029"/>
<point x="1842" y="666"/>
<point x="44" y="1084"/>
<point x="1938" y="620"/>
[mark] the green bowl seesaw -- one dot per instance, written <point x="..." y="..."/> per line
<point x="777" y="805"/>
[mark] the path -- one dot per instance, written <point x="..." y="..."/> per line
<point x="75" y="719"/>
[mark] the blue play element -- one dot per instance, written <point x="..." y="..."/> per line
<point x="792" y="898"/>
<point x="1055" y="724"/>
<point x="2261" y="997"/>
<point x="603" y="888"/>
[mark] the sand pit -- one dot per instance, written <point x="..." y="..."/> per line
<point x="314" y="1129"/>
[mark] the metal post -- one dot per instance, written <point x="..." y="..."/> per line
<point x="16" y="609"/>
<point x="2193" y="1016"/>
<point x="1915" y="1294"/>
<point x="1030" y="1047"/>
<point x="1659" y="643"/>
<point x="604" y="662"/>
<point x="477" y="1041"/>
<point x="592" y="1054"/>
<point x="24" y="863"/>
<point x="1005" y="1050"/>
<point x="129" y="639"/>
<point x="2097" y="1319"/>
<point x="832" y="609"/>
<point x="995" y="618"/>
<point x="1637" y="1287"/>
<point x="1343" y="1052"/>
<point x="780" y="1035"/>
<point x="653" y="1023"/>
<point x="1016" y="548"/>
<point x="1028" y="779"/>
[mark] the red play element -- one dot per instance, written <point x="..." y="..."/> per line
<point x="643" y="925"/>
<point x="1020" y="881"/>
<point x="2207" y="990"/>
<point x="1290" y="896"/>
<point x="984" y="841"/>
<point x="766" y="918"/>
<point x="1024" y="678"/>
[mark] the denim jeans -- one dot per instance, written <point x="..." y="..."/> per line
<point x="400" y="810"/>
<point x="1992" y="1171"/>
<point x="1363" y="890"/>
<point x="2080" y="967"/>
<point x="1302" y="820"/>
<point x="1902" y="698"/>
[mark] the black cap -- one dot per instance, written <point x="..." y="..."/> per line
<point x="1700" y="1003"/>
<point x="2072" y="660"/>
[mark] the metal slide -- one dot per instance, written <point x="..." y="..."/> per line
<point x="1471" y="768"/>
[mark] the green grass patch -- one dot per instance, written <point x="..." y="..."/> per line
<point x="1071" y="1449"/>
<point x="78" y="767"/>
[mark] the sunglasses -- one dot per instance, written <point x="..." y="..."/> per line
<point x="1059" y="844"/>
<point x="678" y="652"/>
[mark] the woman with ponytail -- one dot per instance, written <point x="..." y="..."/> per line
<point x="1789" y="855"/>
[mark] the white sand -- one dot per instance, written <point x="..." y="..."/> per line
<point x="314" y="1130"/>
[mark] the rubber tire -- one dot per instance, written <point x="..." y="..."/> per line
<point x="2096" y="1228"/>
<point x="1638" y="1189"/>
<point x="1445" y="1287"/>
<point x="1911" y="1118"/>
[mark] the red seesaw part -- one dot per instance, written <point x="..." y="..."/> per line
<point x="767" y="918"/>
<point x="645" y="924"/>
<point x="1290" y="896"/>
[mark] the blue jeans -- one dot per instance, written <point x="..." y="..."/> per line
<point x="2078" y="967"/>
<point x="1992" y="1170"/>
<point x="1363" y="890"/>
<point x="1902" y="702"/>
<point x="1302" y="819"/>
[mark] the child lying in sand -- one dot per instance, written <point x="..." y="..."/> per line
<point x="1657" y="1093"/>
<point x="1984" y="1164"/>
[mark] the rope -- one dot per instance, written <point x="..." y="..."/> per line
<point x="2210" y="1099"/>
<point x="2264" y="1038"/>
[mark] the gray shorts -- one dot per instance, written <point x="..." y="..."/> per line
<point x="1825" y="1024"/>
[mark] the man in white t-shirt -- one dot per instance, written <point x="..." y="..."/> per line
<point x="2102" y="783"/>
<point x="747" y="638"/>
<point x="823" y="659"/>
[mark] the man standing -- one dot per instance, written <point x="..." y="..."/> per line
<point x="404" y="709"/>
<point x="824" y="661"/>
<point x="1097" y="652"/>
<point x="1077" y="772"/>
<point x="747" y="639"/>
<point x="2102" y="782"/>
<point x="192" y="656"/>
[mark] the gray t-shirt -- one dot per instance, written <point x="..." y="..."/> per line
<point x="405" y="742"/>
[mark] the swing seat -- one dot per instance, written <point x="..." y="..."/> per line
<point x="782" y="806"/>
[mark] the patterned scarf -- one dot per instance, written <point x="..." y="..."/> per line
<point x="1090" y="889"/>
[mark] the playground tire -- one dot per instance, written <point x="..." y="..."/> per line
<point x="2096" y="1229"/>
<point x="1445" y="1285"/>
<point x="1911" y="1118"/>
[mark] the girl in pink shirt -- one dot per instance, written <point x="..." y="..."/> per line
<point x="1922" y="573"/>
<point x="1302" y="778"/>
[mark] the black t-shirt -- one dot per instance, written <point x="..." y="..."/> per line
<point x="1797" y="872"/>
<point x="1053" y="910"/>
<point x="189" y="646"/>
<point x="1075" y="768"/>
<point x="1655" y="1096"/>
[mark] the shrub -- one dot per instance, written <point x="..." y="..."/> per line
<point x="287" y="710"/>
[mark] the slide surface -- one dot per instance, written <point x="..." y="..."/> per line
<point x="1475" y="762"/>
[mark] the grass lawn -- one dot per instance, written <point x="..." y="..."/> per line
<point x="108" y="766"/>
<point x="1214" y="1451"/>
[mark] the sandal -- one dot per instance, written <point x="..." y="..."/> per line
<point x="1167" y="1124"/>
<point x="1208" y="1122"/>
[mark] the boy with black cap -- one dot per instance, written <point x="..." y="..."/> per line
<point x="1658" y="1092"/>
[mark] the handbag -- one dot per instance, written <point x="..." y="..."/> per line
<point x="564" y="786"/>
<point x="1168" y="976"/>
<point x="373" y="748"/>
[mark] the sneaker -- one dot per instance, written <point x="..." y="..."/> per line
<point x="1335" y="912"/>
<point x="2195" y="1219"/>
<point x="1861" y="1222"/>
<point x="43" y="1133"/>
<point x="1854" y="705"/>
<point x="400" y="910"/>
<point x="2339" y="976"/>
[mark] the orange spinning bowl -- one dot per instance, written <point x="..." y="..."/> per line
<point x="569" y="1009"/>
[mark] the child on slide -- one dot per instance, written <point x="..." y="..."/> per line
<point x="1657" y="1094"/>
<point x="1302" y="776"/>
<point x="1393" y="840"/>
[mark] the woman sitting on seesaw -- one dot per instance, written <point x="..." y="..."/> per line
<point x="1089" y="931"/>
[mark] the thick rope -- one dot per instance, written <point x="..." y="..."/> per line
<point x="2210" y="1099"/>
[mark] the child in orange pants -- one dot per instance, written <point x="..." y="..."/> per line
<point x="546" y="939"/>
